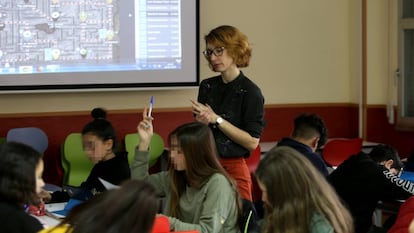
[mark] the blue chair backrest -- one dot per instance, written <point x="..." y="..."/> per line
<point x="32" y="136"/>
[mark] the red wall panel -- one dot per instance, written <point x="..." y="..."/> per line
<point x="341" y="121"/>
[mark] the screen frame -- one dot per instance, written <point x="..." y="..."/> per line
<point x="113" y="86"/>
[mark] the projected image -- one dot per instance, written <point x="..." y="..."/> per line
<point x="58" y="36"/>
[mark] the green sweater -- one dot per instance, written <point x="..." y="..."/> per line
<point x="320" y="224"/>
<point x="209" y="209"/>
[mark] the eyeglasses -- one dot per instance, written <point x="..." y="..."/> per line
<point x="216" y="51"/>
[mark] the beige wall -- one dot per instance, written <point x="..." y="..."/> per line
<point x="382" y="51"/>
<point x="303" y="52"/>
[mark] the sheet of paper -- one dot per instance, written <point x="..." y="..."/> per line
<point x="108" y="185"/>
<point x="55" y="206"/>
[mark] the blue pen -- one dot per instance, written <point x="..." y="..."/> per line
<point x="150" y="106"/>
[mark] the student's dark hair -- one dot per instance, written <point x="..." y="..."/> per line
<point x="197" y="143"/>
<point x="130" y="208"/>
<point x="383" y="152"/>
<point x="310" y="125"/>
<point x="18" y="164"/>
<point x="100" y="127"/>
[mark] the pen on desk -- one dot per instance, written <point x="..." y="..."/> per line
<point x="150" y="106"/>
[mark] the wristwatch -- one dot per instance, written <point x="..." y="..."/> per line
<point x="219" y="120"/>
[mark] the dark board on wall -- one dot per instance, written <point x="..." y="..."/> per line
<point x="58" y="45"/>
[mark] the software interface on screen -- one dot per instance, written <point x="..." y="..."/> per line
<point x="87" y="42"/>
<point x="72" y="36"/>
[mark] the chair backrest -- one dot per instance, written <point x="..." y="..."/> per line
<point x="253" y="160"/>
<point x="156" y="147"/>
<point x="65" y="165"/>
<point x="337" y="150"/>
<point x="162" y="225"/>
<point x="252" y="163"/>
<point x="78" y="164"/>
<point x="32" y="136"/>
<point x="2" y="140"/>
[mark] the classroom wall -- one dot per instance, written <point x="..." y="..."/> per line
<point x="279" y="124"/>
<point x="306" y="58"/>
<point x="294" y="42"/>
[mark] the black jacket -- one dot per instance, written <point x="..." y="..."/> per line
<point x="315" y="158"/>
<point x="14" y="219"/>
<point x="362" y="183"/>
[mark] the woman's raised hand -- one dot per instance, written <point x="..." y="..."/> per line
<point x="145" y="130"/>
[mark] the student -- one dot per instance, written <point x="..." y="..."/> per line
<point x="130" y="208"/>
<point x="21" y="169"/>
<point x="308" y="135"/>
<point x="296" y="198"/>
<point x="199" y="193"/>
<point x="230" y="103"/>
<point x="99" y="143"/>
<point x="363" y="180"/>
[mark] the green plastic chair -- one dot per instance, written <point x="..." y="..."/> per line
<point x="65" y="165"/>
<point x="78" y="164"/>
<point x="156" y="147"/>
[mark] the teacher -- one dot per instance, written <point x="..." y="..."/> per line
<point x="231" y="103"/>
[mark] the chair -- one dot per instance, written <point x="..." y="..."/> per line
<point x="78" y="164"/>
<point x="65" y="165"/>
<point x="252" y="162"/>
<point x="156" y="147"/>
<point x="31" y="136"/>
<point x="337" y="150"/>
<point x="162" y="225"/>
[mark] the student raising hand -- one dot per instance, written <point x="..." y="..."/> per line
<point x="145" y="130"/>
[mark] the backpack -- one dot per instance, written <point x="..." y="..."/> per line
<point x="248" y="220"/>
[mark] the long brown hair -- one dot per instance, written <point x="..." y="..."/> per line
<point x="198" y="146"/>
<point x="295" y="192"/>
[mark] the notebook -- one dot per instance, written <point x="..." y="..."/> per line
<point x="405" y="175"/>
<point x="69" y="206"/>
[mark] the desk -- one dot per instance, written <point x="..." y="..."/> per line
<point x="388" y="207"/>
<point x="367" y="146"/>
<point x="47" y="221"/>
<point x="266" y="146"/>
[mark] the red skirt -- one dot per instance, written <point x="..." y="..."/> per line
<point x="238" y="170"/>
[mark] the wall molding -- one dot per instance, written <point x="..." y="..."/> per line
<point x="161" y="110"/>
